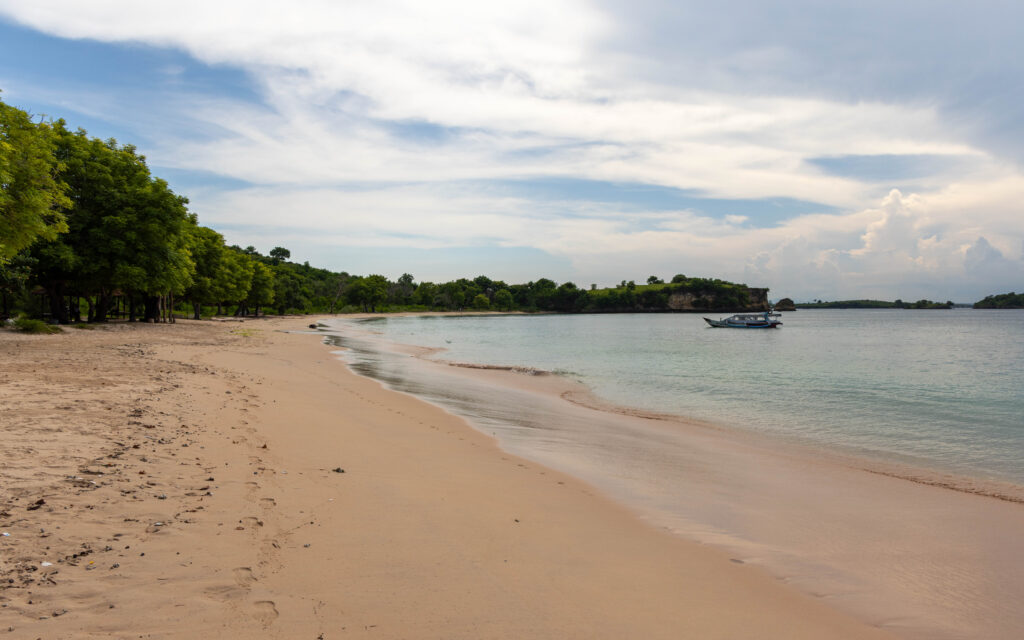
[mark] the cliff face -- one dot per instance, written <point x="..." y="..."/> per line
<point x="757" y="300"/>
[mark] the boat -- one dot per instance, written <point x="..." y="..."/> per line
<point x="762" y="320"/>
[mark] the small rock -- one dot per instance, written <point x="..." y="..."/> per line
<point x="338" y="470"/>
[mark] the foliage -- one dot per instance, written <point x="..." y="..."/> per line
<point x="31" y="196"/>
<point x="1001" y="301"/>
<point x="850" y="304"/>
<point x="86" y="223"/>
<point x="874" y="304"/>
<point x="31" y="325"/>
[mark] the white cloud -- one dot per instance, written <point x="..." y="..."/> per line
<point x="420" y="100"/>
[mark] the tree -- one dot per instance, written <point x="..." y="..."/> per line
<point x="503" y="299"/>
<point x="261" y="292"/>
<point x="14" y="275"/>
<point x="400" y="291"/>
<point x="32" y="198"/>
<point x="207" y="249"/>
<point x="654" y="280"/>
<point x="235" y="277"/>
<point x="368" y="292"/>
<point x="126" y="230"/>
<point x="481" y="303"/>
<point x="279" y="254"/>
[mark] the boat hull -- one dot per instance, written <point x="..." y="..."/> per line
<point x="722" y="324"/>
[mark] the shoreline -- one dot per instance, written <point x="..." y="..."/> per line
<point x="911" y="469"/>
<point x="906" y="500"/>
<point x="205" y="478"/>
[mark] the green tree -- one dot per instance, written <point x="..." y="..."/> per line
<point x="14" y="275"/>
<point x="481" y="303"/>
<point x="126" y="230"/>
<point x="654" y="280"/>
<point x="503" y="299"/>
<point x="279" y="254"/>
<point x="261" y="291"/>
<point x="32" y="198"/>
<point x="235" y="278"/>
<point x="207" y="249"/>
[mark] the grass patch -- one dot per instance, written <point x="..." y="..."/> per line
<point x="83" y="325"/>
<point x="30" y="325"/>
<point x="245" y="333"/>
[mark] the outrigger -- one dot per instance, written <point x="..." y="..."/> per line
<point x="763" y="320"/>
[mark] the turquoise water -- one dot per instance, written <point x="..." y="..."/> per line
<point x="936" y="388"/>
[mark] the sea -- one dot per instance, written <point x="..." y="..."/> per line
<point x="943" y="389"/>
<point x="933" y="396"/>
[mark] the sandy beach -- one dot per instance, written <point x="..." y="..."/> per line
<point x="181" y="481"/>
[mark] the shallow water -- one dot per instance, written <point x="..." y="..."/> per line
<point x="941" y="389"/>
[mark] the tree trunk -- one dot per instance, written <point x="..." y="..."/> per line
<point x="152" y="308"/>
<point x="58" y="310"/>
<point x="102" y="306"/>
<point x="195" y="310"/>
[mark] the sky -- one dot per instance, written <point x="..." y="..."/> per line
<point x="827" y="150"/>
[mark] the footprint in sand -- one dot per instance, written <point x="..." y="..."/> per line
<point x="265" y="611"/>
<point x="244" y="576"/>
<point x="225" y="593"/>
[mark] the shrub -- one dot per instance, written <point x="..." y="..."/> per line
<point x="30" y="325"/>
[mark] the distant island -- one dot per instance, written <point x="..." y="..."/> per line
<point x="1002" y="301"/>
<point x="874" y="304"/>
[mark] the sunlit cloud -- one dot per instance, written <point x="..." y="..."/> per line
<point x="397" y="125"/>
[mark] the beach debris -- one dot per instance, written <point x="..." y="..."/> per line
<point x="115" y="565"/>
<point x="45" y="564"/>
<point x="35" y="505"/>
<point x="5" y="534"/>
<point x="338" y="470"/>
<point x="306" y="546"/>
<point x="312" y="326"/>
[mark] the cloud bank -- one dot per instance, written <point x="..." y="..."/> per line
<point x="397" y="125"/>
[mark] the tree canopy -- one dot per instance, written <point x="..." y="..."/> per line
<point x="32" y="199"/>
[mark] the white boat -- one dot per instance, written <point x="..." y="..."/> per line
<point x="762" y="320"/>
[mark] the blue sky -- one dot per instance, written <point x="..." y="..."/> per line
<point x="831" y="150"/>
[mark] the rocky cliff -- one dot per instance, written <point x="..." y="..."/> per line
<point x="756" y="300"/>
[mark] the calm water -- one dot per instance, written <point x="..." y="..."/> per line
<point x="935" y="388"/>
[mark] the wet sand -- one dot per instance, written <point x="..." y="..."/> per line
<point x="181" y="481"/>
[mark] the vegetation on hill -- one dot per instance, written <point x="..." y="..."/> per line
<point x="88" y="232"/>
<point x="1001" y="301"/>
<point x="874" y="304"/>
